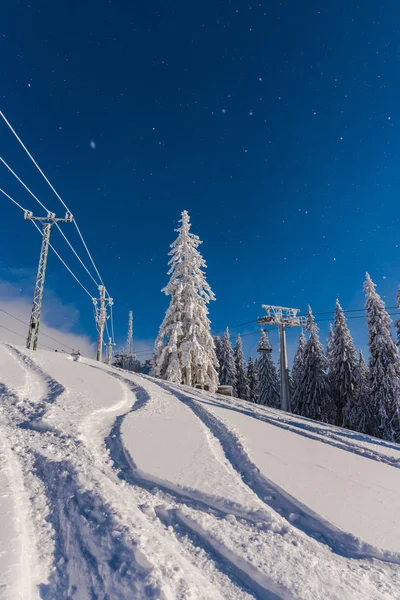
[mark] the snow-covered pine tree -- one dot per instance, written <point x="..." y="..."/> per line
<point x="253" y="378"/>
<point x="297" y="374"/>
<point x="268" y="378"/>
<point x="218" y="351"/>
<point x="358" y="415"/>
<point x="313" y="389"/>
<point x="384" y="366"/>
<point x="343" y="371"/>
<point x="242" y="383"/>
<point x="329" y="344"/>
<point x="227" y="374"/>
<point x="397" y="322"/>
<point x="328" y="353"/>
<point x="184" y="349"/>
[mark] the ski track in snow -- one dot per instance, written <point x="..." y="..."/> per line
<point x="128" y="472"/>
<point x="237" y="569"/>
<point x="314" y="431"/>
<point x="92" y="559"/>
<point x="108" y="535"/>
<point x="340" y="542"/>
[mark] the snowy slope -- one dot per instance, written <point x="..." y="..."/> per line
<point x="114" y="485"/>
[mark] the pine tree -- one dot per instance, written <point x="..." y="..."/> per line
<point x="397" y="323"/>
<point x="242" y="383"/>
<point x="313" y="389"/>
<point x="297" y="374"/>
<point x="268" y="378"/>
<point x="253" y="378"/>
<point x="218" y="351"/>
<point x="358" y="415"/>
<point x="328" y="353"/>
<point x="228" y="367"/>
<point x="384" y="367"/>
<point x="343" y="371"/>
<point x="184" y="349"/>
<point x="329" y="344"/>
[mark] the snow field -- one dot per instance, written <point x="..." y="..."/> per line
<point x="134" y="488"/>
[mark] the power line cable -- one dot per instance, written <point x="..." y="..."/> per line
<point x="23" y="336"/>
<point x="41" y="333"/>
<point x="47" y="210"/>
<point x="12" y="200"/>
<point x="54" y="190"/>
<point x="23" y="184"/>
<point x="77" y="256"/>
<point x="52" y="247"/>
<point x="63" y="262"/>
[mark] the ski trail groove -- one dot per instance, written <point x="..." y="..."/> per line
<point x="236" y="568"/>
<point x="91" y="552"/>
<point x="308" y="431"/>
<point x="95" y="553"/>
<point x="239" y="570"/>
<point x="128" y="471"/>
<point x="341" y="543"/>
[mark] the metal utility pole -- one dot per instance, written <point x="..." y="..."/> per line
<point x="283" y="317"/>
<point x="48" y="222"/>
<point x="101" y="316"/>
<point x="129" y="339"/>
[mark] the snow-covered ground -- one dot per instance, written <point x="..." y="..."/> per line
<point x="115" y="485"/>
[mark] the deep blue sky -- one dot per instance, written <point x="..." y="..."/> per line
<point x="275" y="124"/>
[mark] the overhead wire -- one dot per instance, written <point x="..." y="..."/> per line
<point x="12" y="200"/>
<point x="54" y="190"/>
<point x="64" y="263"/>
<point x="23" y="184"/>
<point x="63" y="204"/>
<point x="146" y="350"/>
<point x="52" y="247"/>
<point x="41" y="332"/>
<point x="23" y="336"/>
<point x="47" y="210"/>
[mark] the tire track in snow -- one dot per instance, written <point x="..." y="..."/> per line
<point x="297" y="514"/>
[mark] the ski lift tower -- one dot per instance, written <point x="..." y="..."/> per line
<point x="283" y="317"/>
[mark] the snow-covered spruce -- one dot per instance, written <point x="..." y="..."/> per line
<point x="297" y="374"/>
<point x="269" y="383"/>
<point x="184" y="349"/>
<point x="358" y="416"/>
<point x="332" y="416"/>
<point x="227" y="375"/>
<point x="313" y="388"/>
<point x="384" y="367"/>
<point x="343" y="371"/>
<point x="397" y="322"/>
<point x="218" y="351"/>
<point x="242" y="382"/>
<point x="253" y="378"/>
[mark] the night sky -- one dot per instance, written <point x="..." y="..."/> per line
<point x="275" y="124"/>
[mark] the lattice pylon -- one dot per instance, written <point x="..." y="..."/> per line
<point x="33" y="332"/>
